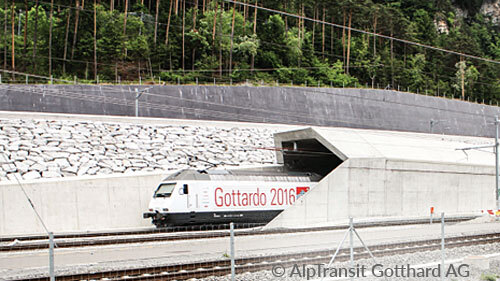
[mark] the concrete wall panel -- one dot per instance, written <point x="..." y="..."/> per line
<point x="78" y="203"/>
<point x="356" y="108"/>
<point x="401" y="190"/>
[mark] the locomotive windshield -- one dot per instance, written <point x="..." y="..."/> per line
<point x="165" y="190"/>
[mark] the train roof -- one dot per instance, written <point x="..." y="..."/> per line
<point x="243" y="175"/>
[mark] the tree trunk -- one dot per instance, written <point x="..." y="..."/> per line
<point x="349" y="41"/>
<point x="323" y="35"/>
<point x="26" y="8"/>
<point x="286" y="18"/>
<point x="156" y="20"/>
<point x="50" y="35"/>
<point x="215" y="22"/>
<point x="462" y="77"/>
<point x="331" y="37"/>
<point x="195" y="12"/>
<point x="183" y="33"/>
<point x="343" y="40"/>
<point x="244" y="14"/>
<point x="95" y="40"/>
<point x="13" y="15"/>
<point x="392" y="56"/>
<point x="374" y="36"/>
<point x="5" y="36"/>
<point x="111" y="5"/>
<point x="75" y="34"/>
<point x="176" y="6"/>
<point x="299" y="25"/>
<point x="232" y="36"/>
<point x="314" y="27"/>
<point x="252" y="63"/>
<point x="66" y="35"/>
<point x="220" y="38"/>
<point x="168" y="22"/>
<point x="125" y="27"/>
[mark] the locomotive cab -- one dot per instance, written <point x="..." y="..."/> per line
<point x="163" y="200"/>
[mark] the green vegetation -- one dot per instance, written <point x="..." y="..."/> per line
<point x="199" y="40"/>
<point x="488" y="277"/>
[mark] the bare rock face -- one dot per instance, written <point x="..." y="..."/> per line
<point x="441" y="26"/>
<point x="33" y="149"/>
<point x="491" y="9"/>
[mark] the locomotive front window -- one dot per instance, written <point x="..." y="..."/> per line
<point x="165" y="190"/>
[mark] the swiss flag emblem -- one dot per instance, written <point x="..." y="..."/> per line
<point x="301" y="191"/>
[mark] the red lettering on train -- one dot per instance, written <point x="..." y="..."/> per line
<point x="278" y="197"/>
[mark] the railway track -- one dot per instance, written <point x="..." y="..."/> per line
<point x="36" y="242"/>
<point x="251" y="264"/>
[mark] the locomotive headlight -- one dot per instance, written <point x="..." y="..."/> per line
<point x="165" y="209"/>
<point x="150" y="210"/>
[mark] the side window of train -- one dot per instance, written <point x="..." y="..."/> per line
<point x="185" y="190"/>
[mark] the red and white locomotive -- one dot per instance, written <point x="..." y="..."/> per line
<point x="223" y="196"/>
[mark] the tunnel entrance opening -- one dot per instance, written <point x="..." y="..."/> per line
<point x="309" y="155"/>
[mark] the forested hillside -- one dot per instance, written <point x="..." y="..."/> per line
<point x="199" y="40"/>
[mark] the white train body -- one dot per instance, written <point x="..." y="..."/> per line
<point x="192" y="197"/>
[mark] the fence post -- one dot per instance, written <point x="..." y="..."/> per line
<point x="51" y="79"/>
<point x="233" y="271"/>
<point x="26" y="79"/>
<point x="74" y="79"/>
<point x="351" y="242"/>
<point x="442" y="246"/>
<point x="51" y="257"/>
<point x="0" y="78"/>
<point x="214" y="81"/>
<point x="136" y="102"/>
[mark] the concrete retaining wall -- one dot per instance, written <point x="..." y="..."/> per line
<point x="77" y="203"/>
<point x="378" y="188"/>
<point x="357" y="108"/>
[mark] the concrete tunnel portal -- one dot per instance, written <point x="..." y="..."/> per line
<point x="377" y="174"/>
<point x="309" y="155"/>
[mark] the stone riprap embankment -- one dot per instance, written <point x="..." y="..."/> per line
<point x="35" y="149"/>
